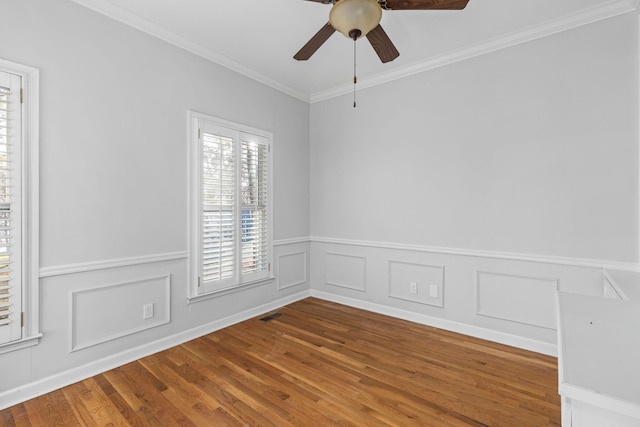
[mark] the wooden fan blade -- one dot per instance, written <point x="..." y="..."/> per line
<point x="426" y="4"/>
<point x="315" y="43"/>
<point x="382" y="44"/>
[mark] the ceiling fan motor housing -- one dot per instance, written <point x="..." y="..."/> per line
<point x="355" y="18"/>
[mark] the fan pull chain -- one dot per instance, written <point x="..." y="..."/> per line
<point x="354" y="34"/>
<point x="355" y="79"/>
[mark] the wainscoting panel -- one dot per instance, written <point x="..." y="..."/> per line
<point x="113" y="311"/>
<point x="416" y="282"/>
<point x="93" y="319"/>
<point x="522" y="299"/>
<point x="291" y="269"/>
<point x="508" y="298"/>
<point x="346" y="271"/>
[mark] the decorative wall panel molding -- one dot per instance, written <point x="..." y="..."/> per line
<point x="113" y="311"/>
<point x="531" y="300"/>
<point x="416" y="282"/>
<point x="346" y="271"/>
<point x="291" y="269"/>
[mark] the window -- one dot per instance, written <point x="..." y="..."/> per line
<point x="18" y="206"/>
<point x="231" y="201"/>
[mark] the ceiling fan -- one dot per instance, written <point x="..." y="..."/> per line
<point x="358" y="18"/>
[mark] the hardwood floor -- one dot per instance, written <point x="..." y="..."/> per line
<point x="318" y="364"/>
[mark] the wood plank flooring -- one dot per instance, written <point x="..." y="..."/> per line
<point x="318" y="364"/>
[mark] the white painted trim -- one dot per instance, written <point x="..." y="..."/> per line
<point x="345" y="285"/>
<point x="74" y="346"/>
<point x="509" y="256"/>
<point x="449" y="325"/>
<point x="193" y="201"/>
<point x="31" y="135"/>
<point x="597" y="13"/>
<point x="638" y="127"/>
<point x="614" y="285"/>
<point x="548" y="28"/>
<point x="293" y="241"/>
<point x="565" y="403"/>
<point x="20" y="344"/>
<point x="62" y="270"/>
<point x="420" y="299"/>
<point x="305" y="255"/>
<point x="45" y="385"/>
<point x="600" y="400"/>
<point x="230" y="290"/>
<point x="481" y="312"/>
<point x="31" y="203"/>
<point x="124" y="16"/>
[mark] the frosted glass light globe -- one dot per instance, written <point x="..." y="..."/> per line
<point x="360" y="15"/>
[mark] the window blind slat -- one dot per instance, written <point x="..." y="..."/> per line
<point x="218" y="198"/>
<point x="10" y="287"/>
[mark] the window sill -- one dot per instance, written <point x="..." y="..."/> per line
<point x="227" y="291"/>
<point x="19" y="345"/>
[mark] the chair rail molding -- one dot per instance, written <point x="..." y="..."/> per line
<point x="509" y="256"/>
<point x="83" y="267"/>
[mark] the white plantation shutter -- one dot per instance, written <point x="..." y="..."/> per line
<point x="254" y="206"/>
<point x="218" y="208"/>
<point x="234" y="199"/>
<point x="10" y="212"/>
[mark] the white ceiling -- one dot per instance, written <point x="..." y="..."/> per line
<point x="258" y="38"/>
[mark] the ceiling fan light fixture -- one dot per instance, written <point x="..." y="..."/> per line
<point x="355" y="18"/>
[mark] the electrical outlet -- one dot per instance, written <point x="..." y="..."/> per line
<point x="413" y="287"/>
<point x="147" y="311"/>
<point x="433" y="291"/>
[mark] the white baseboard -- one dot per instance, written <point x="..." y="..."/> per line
<point x="45" y="385"/>
<point x="449" y="325"/>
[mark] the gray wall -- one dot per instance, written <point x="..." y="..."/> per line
<point x="113" y="173"/>
<point x="496" y="179"/>
<point x="531" y="149"/>
<point x="493" y="181"/>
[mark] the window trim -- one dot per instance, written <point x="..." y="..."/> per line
<point x="30" y="205"/>
<point x="194" y="213"/>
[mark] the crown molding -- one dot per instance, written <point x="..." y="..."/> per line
<point x="588" y="16"/>
<point x="133" y="20"/>
<point x="597" y="13"/>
